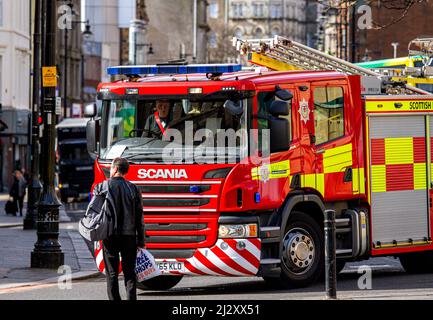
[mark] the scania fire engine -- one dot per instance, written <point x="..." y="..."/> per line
<point x="330" y="136"/>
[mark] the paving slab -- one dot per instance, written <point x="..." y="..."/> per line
<point x="17" y="244"/>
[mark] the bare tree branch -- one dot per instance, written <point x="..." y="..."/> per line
<point x="403" y="6"/>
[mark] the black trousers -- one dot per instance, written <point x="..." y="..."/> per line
<point x="19" y="202"/>
<point x="127" y="247"/>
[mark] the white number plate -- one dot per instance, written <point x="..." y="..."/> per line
<point x="169" y="266"/>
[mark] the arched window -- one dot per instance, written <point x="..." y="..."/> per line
<point x="275" y="32"/>
<point x="258" y="33"/>
<point x="238" y="33"/>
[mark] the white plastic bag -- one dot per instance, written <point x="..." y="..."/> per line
<point x="145" y="266"/>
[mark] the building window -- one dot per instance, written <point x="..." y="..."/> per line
<point x="258" y="33"/>
<point x="258" y="9"/>
<point x="213" y="10"/>
<point x="275" y="32"/>
<point x="276" y="10"/>
<point x="238" y="33"/>
<point x="238" y="10"/>
<point x="213" y="43"/>
<point x="328" y="113"/>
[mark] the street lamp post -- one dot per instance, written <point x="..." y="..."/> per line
<point x="47" y="252"/>
<point x="35" y="185"/>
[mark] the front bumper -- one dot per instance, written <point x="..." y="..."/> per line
<point x="228" y="257"/>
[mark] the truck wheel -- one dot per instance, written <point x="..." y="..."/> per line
<point x="302" y="256"/>
<point x="417" y="262"/>
<point x="159" y="283"/>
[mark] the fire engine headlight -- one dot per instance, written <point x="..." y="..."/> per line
<point x="237" y="231"/>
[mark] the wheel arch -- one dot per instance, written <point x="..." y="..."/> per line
<point x="309" y="204"/>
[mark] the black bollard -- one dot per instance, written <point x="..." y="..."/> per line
<point x="330" y="255"/>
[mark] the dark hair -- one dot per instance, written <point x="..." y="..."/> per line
<point x="121" y="164"/>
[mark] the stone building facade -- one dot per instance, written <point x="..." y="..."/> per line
<point x="246" y="19"/>
<point x="69" y="53"/>
<point x="15" y="70"/>
<point x="341" y="35"/>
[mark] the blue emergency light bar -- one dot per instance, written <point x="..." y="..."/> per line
<point x="174" y="69"/>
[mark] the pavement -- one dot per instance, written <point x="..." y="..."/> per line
<point x="17" y="244"/>
<point x="20" y="282"/>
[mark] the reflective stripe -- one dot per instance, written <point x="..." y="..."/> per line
<point x="269" y="171"/>
<point x="308" y="181"/>
<point x="200" y="266"/>
<point x="403" y="106"/>
<point x="378" y="183"/>
<point x="399" y="150"/>
<point x="216" y="261"/>
<point x="224" y="263"/>
<point x="358" y="178"/>
<point x="420" y="176"/>
<point x="193" y="270"/>
<point x="337" y="159"/>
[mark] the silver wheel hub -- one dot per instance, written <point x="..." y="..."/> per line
<point x="298" y="250"/>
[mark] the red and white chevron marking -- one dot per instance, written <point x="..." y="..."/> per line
<point x="99" y="258"/>
<point x="223" y="259"/>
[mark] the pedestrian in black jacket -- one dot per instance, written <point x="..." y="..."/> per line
<point x="18" y="191"/>
<point x="129" y="235"/>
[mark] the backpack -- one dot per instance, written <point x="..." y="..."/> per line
<point x="100" y="221"/>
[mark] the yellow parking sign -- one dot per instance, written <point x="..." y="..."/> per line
<point x="49" y="77"/>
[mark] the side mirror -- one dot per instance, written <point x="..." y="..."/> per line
<point x="279" y="108"/>
<point x="92" y="132"/>
<point x="234" y="108"/>
<point x="283" y="94"/>
<point x="90" y="111"/>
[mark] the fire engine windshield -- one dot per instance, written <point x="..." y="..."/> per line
<point x="174" y="130"/>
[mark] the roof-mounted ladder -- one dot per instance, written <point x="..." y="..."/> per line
<point x="280" y="54"/>
<point x="298" y="55"/>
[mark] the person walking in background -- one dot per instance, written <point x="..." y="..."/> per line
<point x="18" y="191"/>
<point x="129" y="234"/>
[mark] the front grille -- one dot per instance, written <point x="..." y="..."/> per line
<point x="172" y="253"/>
<point x="175" y="202"/>
<point x="182" y="232"/>
<point x="175" y="226"/>
<point x="175" y="239"/>
<point x="180" y="214"/>
<point x="172" y="188"/>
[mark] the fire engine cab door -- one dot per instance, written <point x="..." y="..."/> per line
<point x="399" y="190"/>
<point x="332" y="142"/>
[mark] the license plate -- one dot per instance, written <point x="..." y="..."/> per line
<point x="170" y="266"/>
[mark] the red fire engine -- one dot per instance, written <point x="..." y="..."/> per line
<point x="338" y="140"/>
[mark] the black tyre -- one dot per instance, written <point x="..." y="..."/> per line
<point x="302" y="253"/>
<point x="159" y="283"/>
<point x="417" y="262"/>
